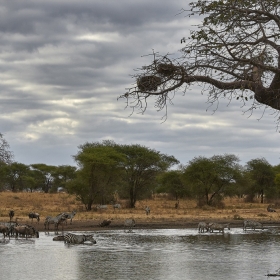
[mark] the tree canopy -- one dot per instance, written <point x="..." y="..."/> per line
<point x="234" y="53"/>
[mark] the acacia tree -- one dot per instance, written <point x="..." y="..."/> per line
<point x="141" y="167"/>
<point x="233" y="53"/>
<point x="208" y="178"/>
<point x="263" y="176"/>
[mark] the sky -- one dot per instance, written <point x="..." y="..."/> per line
<point x="64" y="63"/>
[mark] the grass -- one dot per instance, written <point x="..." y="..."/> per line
<point x="162" y="209"/>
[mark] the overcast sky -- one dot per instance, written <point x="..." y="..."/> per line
<point x="64" y="63"/>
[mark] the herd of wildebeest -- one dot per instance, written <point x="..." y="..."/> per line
<point x="15" y="229"/>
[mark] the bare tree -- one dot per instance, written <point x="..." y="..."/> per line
<point x="234" y="53"/>
<point x="6" y="156"/>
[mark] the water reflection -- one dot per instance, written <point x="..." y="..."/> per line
<point x="144" y="254"/>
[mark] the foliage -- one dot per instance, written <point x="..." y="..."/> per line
<point x="172" y="182"/>
<point x="233" y="53"/>
<point x="208" y="178"/>
<point x="262" y="176"/>
<point x="99" y="164"/>
<point x="6" y="156"/>
<point x="141" y="167"/>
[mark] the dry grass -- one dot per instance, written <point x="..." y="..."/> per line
<point x="162" y="209"/>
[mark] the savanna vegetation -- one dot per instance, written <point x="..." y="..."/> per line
<point x="108" y="173"/>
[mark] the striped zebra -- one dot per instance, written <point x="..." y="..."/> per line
<point x="71" y="238"/>
<point x="251" y="224"/>
<point x="59" y="219"/>
<point x="148" y="210"/>
<point x="70" y="216"/>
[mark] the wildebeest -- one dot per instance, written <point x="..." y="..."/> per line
<point x="78" y="239"/>
<point x="203" y="226"/>
<point x="58" y="220"/>
<point x="105" y="223"/>
<point x="129" y="223"/>
<point x="26" y="230"/>
<point x="219" y="227"/>
<point x="33" y="215"/>
<point x="11" y="214"/>
<point x="252" y="224"/>
<point x="148" y="210"/>
<point x="5" y="230"/>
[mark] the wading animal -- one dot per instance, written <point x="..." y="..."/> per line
<point x="26" y="231"/>
<point x="251" y="224"/>
<point x="33" y="215"/>
<point x="129" y="223"/>
<point x="5" y="230"/>
<point x="71" y="238"/>
<point x="203" y="226"/>
<point x="218" y="227"/>
<point x="58" y="220"/>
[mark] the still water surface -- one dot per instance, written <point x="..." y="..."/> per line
<point x="144" y="254"/>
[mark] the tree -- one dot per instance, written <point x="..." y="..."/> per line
<point x="6" y="156"/>
<point x="209" y="177"/>
<point x="141" y="167"/>
<point x="99" y="165"/>
<point x="171" y="182"/>
<point x="262" y="175"/>
<point x="47" y="171"/>
<point x="62" y="174"/>
<point x="233" y="53"/>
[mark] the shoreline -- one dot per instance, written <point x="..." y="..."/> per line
<point x="89" y="225"/>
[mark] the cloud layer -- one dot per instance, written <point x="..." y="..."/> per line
<point x="64" y="63"/>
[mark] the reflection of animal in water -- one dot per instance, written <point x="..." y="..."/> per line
<point x="148" y="210"/>
<point x="5" y="230"/>
<point x="129" y="223"/>
<point x="252" y="224"/>
<point x="78" y="239"/>
<point x="203" y="226"/>
<point x="33" y="215"/>
<point x="218" y="227"/>
<point x="11" y="214"/>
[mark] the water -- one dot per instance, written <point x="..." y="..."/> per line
<point x="144" y="254"/>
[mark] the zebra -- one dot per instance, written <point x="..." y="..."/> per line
<point x="219" y="227"/>
<point x="59" y="219"/>
<point x="71" y="238"/>
<point x="269" y="209"/>
<point x="11" y="214"/>
<point x="252" y="224"/>
<point x="129" y="223"/>
<point x="203" y="226"/>
<point x="70" y="216"/>
<point x="101" y="207"/>
<point x="147" y="209"/>
<point x="33" y="215"/>
<point x="116" y="206"/>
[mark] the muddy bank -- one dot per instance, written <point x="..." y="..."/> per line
<point x="89" y="225"/>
